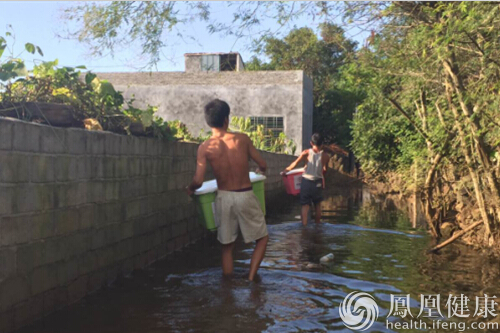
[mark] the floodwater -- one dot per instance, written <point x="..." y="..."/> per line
<point x="377" y="250"/>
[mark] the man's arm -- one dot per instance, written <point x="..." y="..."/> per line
<point x="255" y="155"/>
<point x="302" y="158"/>
<point x="201" y="166"/>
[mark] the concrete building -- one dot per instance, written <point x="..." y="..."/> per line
<point x="280" y="100"/>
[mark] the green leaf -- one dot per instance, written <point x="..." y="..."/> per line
<point x="8" y="66"/>
<point x="89" y="77"/>
<point x="103" y="87"/>
<point x="81" y="67"/>
<point x="96" y="83"/>
<point x="4" y="76"/>
<point x="39" y="50"/>
<point x="106" y="88"/>
<point x="20" y="69"/>
<point x="147" y="119"/>
<point x="30" y="48"/>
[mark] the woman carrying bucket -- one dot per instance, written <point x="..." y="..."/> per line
<point x="311" y="188"/>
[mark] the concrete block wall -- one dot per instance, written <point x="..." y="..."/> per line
<point x="78" y="208"/>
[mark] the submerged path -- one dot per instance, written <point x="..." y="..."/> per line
<point x="376" y="251"/>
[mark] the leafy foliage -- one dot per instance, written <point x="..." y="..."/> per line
<point x="12" y="66"/>
<point x="431" y="80"/>
<point x="323" y="60"/>
<point x="180" y="131"/>
<point x="263" y="140"/>
<point x="90" y="98"/>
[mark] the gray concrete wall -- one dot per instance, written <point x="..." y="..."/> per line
<point x="308" y="104"/>
<point x="78" y="208"/>
<point x="182" y="96"/>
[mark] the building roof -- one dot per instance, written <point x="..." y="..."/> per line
<point x="210" y="53"/>
<point x="207" y="78"/>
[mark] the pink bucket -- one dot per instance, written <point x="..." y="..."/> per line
<point x="292" y="181"/>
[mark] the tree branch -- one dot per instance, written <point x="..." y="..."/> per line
<point x="456" y="236"/>
<point x="407" y="116"/>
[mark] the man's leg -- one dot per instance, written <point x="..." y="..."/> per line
<point x="317" y="216"/>
<point x="305" y="212"/>
<point x="227" y="258"/>
<point x="257" y="256"/>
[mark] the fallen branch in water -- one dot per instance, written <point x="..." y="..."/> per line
<point x="456" y="236"/>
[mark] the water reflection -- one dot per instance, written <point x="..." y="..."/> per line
<point x="377" y="249"/>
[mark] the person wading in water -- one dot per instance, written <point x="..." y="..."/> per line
<point x="313" y="181"/>
<point x="236" y="206"/>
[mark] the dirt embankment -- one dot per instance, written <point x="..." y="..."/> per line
<point x="461" y="211"/>
<point x="342" y="168"/>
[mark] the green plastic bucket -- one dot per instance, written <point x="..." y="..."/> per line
<point x="259" y="189"/>
<point x="205" y="199"/>
<point x="205" y="204"/>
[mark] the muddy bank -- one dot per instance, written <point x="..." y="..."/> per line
<point x="458" y="209"/>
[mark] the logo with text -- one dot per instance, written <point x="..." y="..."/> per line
<point x="431" y="310"/>
<point x="358" y="311"/>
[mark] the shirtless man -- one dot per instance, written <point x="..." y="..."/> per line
<point x="236" y="206"/>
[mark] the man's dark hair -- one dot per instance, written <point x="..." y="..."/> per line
<point x="216" y="112"/>
<point x="317" y="139"/>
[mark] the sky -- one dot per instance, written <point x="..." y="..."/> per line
<point x="41" y="23"/>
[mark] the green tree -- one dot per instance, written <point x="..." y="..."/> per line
<point x="322" y="59"/>
<point x="433" y="86"/>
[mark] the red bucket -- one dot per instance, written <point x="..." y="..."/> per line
<point x="292" y="181"/>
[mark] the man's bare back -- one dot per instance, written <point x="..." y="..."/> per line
<point x="228" y="155"/>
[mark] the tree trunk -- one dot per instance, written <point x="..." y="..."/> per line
<point x="469" y="162"/>
<point x="429" y="211"/>
<point x="481" y="147"/>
